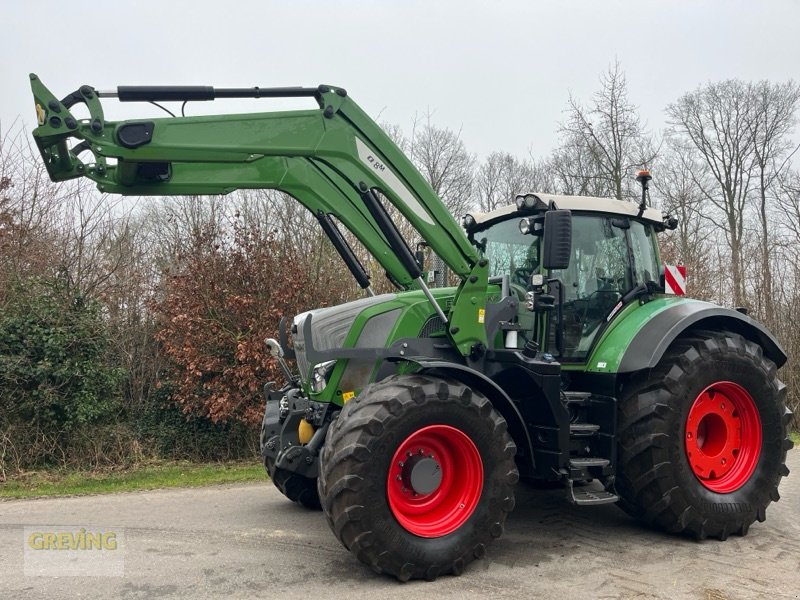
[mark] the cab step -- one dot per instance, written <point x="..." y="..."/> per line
<point x="585" y="468"/>
<point x="583" y="429"/>
<point x="588" y="462"/>
<point x="579" y="398"/>
<point x="589" y="497"/>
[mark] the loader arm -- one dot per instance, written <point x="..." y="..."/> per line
<point x="334" y="160"/>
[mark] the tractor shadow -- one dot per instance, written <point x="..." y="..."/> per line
<point x="545" y="527"/>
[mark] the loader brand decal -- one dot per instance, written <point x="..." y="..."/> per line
<point x="347" y="396"/>
<point x="368" y="157"/>
<point x="481" y="315"/>
<point x="40" y="114"/>
<point x="675" y="279"/>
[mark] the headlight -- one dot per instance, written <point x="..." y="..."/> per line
<point x="526" y="201"/>
<point x="525" y="226"/>
<point x="319" y="375"/>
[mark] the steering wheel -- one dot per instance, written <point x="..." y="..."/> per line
<point x="522" y="276"/>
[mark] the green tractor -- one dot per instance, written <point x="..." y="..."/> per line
<point x="558" y="357"/>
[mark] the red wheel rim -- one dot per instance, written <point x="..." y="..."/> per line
<point x="446" y="468"/>
<point x="723" y="437"/>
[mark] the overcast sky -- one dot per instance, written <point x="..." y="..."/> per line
<point x="500" y="72"/>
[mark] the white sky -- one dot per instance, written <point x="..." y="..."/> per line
<point x="498" y="71"/>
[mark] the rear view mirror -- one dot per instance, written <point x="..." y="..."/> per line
<point x="557" y="239"/>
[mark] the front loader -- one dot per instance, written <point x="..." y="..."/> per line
<point x="559" y="356"/>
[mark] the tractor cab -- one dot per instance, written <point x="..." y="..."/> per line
<point x="613" y="260"/>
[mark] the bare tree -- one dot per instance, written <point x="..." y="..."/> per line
<point x="603" y="143"/>
<point x="441" y="156"/>
<point x="774" y="106"/>
<point x="502" y="176"/>
<point x="713" y="122"/>
<point x="738" y="131"/>
<point x="575" y="171"/>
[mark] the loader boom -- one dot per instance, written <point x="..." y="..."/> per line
<point x="335" y="160"/>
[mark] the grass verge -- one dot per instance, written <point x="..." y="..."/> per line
<point x="144" y="477"/>
<point x="795" y="437"/>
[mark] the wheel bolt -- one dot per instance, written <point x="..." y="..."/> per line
<point x="401" y="464"/>
<point x="689" y="434"/>
<point x="399" y="478"/>
<point x="722" y="406"/>
<point x="461" y="505"/>
<point x="421" y="451"/>
<point x="723" y="461"/>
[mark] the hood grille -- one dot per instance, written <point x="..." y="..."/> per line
<point x="329" y="327"/>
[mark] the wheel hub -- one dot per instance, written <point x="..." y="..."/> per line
<point x="422" y="474"/>
<point x="713" y="435"/>
<point x="723" y="437"/>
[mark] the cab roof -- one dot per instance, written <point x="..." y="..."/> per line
<point x="574" y="203"/>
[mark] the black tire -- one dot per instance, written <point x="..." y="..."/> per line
<point x="655" y="480"/>
<point x="359" y="452"/>
<point x="296" y="488"/>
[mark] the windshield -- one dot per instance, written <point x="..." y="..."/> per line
<point x="510" y="252"/>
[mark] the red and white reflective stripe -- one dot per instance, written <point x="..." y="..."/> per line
<point x="675" y="279"/>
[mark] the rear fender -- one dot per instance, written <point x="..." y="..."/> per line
<point x="649" y="344"/>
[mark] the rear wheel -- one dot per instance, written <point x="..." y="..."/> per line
<point x="417" y="476"/>
<point x="703" y="438"/>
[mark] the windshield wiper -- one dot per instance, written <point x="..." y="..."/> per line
<point x="643" y="289"/>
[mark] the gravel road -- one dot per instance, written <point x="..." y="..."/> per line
<point x="247" y="541"/>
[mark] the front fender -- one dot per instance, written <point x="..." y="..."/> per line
<point x="643" y="335"/>
<point x="501" y="401"/>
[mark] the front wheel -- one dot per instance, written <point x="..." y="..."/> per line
<point x="294" y="486"/>
<point x="703" y="438"/>
<point x="417" y="475"/>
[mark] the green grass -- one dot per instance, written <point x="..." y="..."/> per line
<point x="146" y="477"/>
<point x="795" y="436"/>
